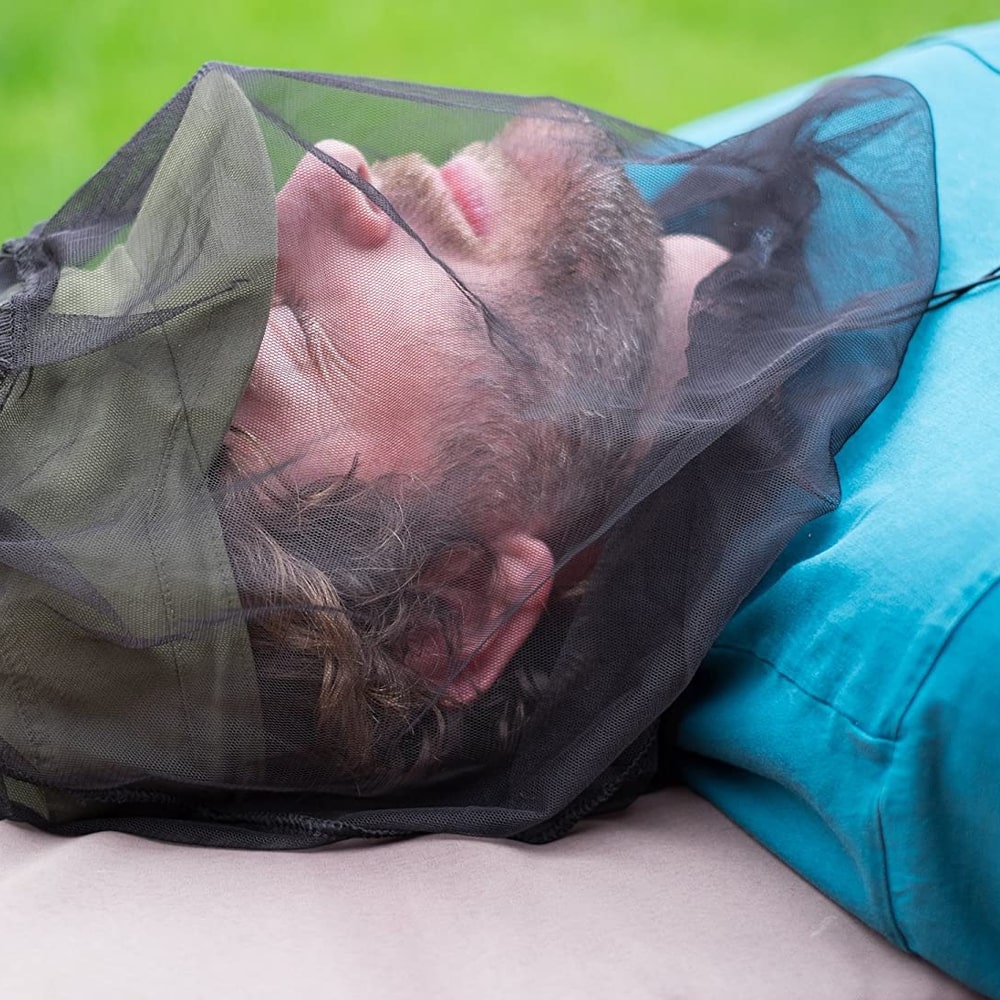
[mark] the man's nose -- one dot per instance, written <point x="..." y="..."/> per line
<point x="319" y="202"/>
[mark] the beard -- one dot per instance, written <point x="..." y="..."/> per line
<point x="582" y="268"/>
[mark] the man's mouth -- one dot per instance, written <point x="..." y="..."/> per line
<point x="468" y="184"/>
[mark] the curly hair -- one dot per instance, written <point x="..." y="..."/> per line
<point x="334" y="584"/>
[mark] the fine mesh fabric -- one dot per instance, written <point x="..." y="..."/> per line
<point x="383" y="459"/>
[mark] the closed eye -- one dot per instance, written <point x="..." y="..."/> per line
<point x="322" y="347"/>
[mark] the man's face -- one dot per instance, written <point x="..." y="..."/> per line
<point x="371" y="350"/>
<point x="490" y="365"/>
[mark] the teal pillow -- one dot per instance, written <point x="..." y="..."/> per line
<point x="848" y="716"/>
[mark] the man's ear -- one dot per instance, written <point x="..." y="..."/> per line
<point x="495" y="613"/>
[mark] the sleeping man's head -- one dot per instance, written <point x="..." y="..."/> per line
<point x="435" y="425"/>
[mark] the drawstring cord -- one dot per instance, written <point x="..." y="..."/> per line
<point x="950" y="295"/>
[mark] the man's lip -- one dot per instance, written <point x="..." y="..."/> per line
<point x="469" y="186"/>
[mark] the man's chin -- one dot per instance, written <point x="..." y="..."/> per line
<point x="553" y="135"/>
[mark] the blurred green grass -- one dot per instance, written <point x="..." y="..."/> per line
<point x="77" y="79"/>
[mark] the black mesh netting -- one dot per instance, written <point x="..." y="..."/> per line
<point x="380" y="459"/>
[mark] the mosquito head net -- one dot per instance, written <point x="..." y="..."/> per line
<point x="380" y="458"/>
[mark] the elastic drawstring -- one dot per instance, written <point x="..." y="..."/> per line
<point x="946" y="298"/>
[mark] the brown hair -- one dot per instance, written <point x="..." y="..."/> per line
<point x="335" y="584"/>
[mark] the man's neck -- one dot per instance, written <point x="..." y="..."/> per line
<point x="686" y="260"/>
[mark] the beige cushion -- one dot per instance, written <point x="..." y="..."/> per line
<point x="666" y="900"/>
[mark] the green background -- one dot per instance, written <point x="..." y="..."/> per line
<point x="77" y="77"/>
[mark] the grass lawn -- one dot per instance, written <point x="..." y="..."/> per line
<point x="76" y="79"/>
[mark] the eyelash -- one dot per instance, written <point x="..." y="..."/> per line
<point x="319" y="343"/>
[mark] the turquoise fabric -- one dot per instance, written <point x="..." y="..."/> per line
<point x="848" y="716"/>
